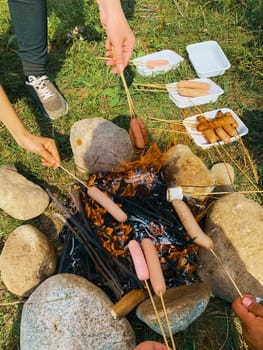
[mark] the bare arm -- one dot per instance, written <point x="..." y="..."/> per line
<point x="43" y="146"/>
<point x="119" y="33"/>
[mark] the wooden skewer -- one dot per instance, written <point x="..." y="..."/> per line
<point x="218" y="193"/>
<point x="226" y="271"/>
<point x="167" y="322"/>
<point x="169" y="130"/>
<point x="157" y="314"/>
<point x="168" y="121"/>
<point x="129" y="98"/>
<point x="74" y="176"/>
<point x="156" y="86"/>
<point x="186" y="92"/>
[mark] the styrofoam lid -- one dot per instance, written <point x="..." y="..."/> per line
<point x="207" y="57"/>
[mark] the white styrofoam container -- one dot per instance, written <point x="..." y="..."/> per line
<point x="169" y="55"/>
<point x="208" y="59"/>
<point x="183" y="102"/>
<point x="190" y="124"/>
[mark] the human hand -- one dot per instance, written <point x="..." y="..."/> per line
<point x="119" y="34"/>
<point x="251" y="315"/>
<point x="150" y="345"/>
<point x="43" y="146"/>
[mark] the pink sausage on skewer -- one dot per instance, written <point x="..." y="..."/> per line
<point x="154" y="266"/>
<point x="138" y="259"/>
<point x="107" y="203"/>
<point x="191" y="226"/>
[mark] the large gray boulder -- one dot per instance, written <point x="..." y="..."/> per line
<point x="27" y="259"/>
<point x="67" y="312"/>
<point x="19" y="197"/>
<point x="99" y="145"/>
<point x="184" y="304"/>
<point x="235" y="224"/>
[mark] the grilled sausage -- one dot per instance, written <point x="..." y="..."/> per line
<point x="107" y="203"/>
<point x="154" y="266"/>
<point x="138" y="259"/>
<point x="136" y="133"/>
<point x="191" y="226"/>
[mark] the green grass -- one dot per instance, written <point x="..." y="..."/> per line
<point x="92" y="91"/>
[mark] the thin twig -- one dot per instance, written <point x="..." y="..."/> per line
<point x="157" y="314"/>
<point x="178" y="8"/>
<point x="169" y="130"/>
<point x="237" y="165"/>
<point x="12" y="303"/>
<point x="249" y="159"/>
<point x="179" y="122"/>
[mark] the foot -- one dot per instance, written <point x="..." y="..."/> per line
<point x="49" y="99"/>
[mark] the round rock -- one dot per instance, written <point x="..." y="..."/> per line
<point x="26" y="260"/>
<point x="235" y="224"/>
<point x="99" y="145"/>
<point x="69" y="312"/>
<point x="184" y="304"/>
<point x="19" y="197"/>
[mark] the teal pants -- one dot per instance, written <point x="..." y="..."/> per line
<point x="29" y="19"/>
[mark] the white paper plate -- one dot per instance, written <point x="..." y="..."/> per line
<point x="191" y="123"/>
<point x="184" y="102"/>
<point x="169" y="55"/>
<point x="208" y="59"/>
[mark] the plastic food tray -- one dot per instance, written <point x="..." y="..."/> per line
<point x="191" y="122"/>
<point x="169" y="55"/>
<point x="208" y="59"/>
<point x="183" y="102"/>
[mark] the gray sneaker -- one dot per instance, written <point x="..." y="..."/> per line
<point x="49" y="99"/>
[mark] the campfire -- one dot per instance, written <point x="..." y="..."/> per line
<point x="95" y="244"/>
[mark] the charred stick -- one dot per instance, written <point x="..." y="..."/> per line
<point x="150" y="215"/>
<point x="64" y="252"/>
<point x="97" y="245"/>
<point x="75" y="195"/>
<point x="80" y="238"/>
<point x="99" y="265"/>
<point x="117" y="261"/>
<point x="76" y="199"/>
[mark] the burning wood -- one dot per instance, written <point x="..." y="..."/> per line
<point x="95" y="244"/>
